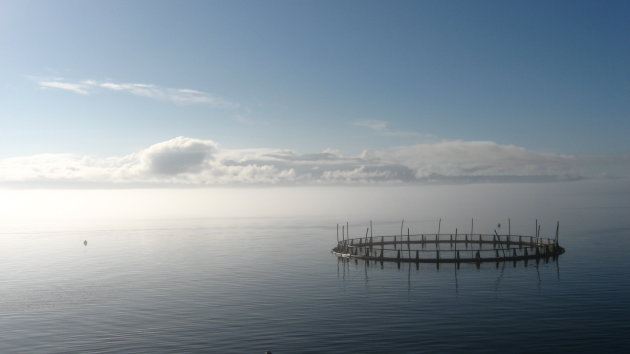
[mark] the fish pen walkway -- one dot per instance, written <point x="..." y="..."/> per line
<point x="448" y="248"/>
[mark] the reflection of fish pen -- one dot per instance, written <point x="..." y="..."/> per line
<point x="449" y="248"/>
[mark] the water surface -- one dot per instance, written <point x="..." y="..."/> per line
<point x="250" y="285"/>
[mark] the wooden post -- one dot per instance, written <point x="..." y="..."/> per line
<point x="417" y="255"/>
<point x="509" y="227"/>
<point x="371" y="234"/>
<point x="439" y="225"/>
<point x="455" y="238"/>
<point x="401" y="229"/>
<point x="398" y="256"/>
<point x="472" y="224"/>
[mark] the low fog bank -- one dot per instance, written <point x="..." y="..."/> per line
<point x="576" y="204"/>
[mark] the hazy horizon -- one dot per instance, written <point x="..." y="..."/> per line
<point x="571" y="203"/>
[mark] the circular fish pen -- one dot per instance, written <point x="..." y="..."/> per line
<point x="448" y="248"/>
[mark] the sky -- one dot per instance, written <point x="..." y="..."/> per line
<point x="163" y="94"/>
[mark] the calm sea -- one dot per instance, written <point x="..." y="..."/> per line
<point x="252" y="285"/>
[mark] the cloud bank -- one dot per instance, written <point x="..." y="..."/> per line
<point x="184" y="161"/>
<point x="175" y="95"/>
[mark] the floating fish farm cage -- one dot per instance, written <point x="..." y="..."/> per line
<point x="448" y="248"/>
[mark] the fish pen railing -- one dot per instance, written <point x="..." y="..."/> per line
<point x="448" y="248"/>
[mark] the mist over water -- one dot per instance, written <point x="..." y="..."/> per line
<point x="208" y="279"/>
<point x="488" y="204"/>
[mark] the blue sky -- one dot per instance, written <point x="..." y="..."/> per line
<point x="376" y="82"/>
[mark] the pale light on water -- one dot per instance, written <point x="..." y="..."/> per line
<point x="246" y="285"/>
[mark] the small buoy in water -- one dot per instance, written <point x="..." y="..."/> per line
<point x="85" y="243"/>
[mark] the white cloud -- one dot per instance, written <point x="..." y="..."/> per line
<point x="475" y="159"/>
<point x="79" y="88"/>
<point x="186" y="161"/>
<point x="175" y="95"/>
<point x="176" y="156"/>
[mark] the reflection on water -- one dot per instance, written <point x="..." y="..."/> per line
<point x="417" y="272"/>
